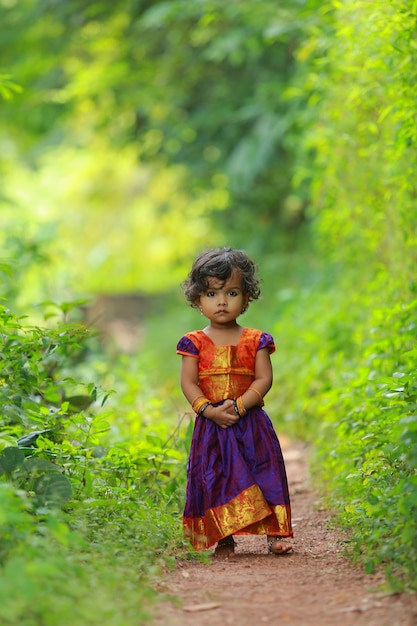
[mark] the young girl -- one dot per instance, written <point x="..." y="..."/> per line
<point x="236" y="480"/>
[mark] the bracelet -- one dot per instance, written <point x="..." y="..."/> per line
<point x="259" y="394"/>
<point x="195" y="400"/>
<point x="203" y="408"/>
<point x="198" y="403"/>
<point x="240" y="406"/>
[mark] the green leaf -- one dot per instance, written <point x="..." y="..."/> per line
<point x="10" y="459"/>
<point x="53" y="490"/>
<point x="80" y="402"/>
<point x="40" y="465"/>
<point x="29" y="440"/>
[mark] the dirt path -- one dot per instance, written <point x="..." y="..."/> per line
<point x="314" y="586"/>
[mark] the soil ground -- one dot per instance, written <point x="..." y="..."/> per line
<point x="316" y="585"/>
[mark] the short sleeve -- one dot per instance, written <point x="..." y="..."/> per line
<point x="266" y="341"/>
<point x="186" y="347"/>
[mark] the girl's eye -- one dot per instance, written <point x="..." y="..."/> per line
<point x="232" y="293"/>
<point x="210" y="294"/>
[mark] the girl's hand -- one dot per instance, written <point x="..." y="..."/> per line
<point x="223" y="415"/>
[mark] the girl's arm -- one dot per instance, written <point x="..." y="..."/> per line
<point x="262" y="382"/>
<point x="189" y="378"/>
<point x="223" y="415"/>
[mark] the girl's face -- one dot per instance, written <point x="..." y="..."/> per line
<point x="222" y="303"/>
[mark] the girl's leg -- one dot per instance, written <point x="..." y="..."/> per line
<point x="278" y="545"/>
<point x="225" y="547"/>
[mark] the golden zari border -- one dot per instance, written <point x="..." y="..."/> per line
<point x="247" y="513"/>
<point x="277" y="524"/>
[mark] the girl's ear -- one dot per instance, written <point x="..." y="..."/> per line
<point x="245" y="303"/>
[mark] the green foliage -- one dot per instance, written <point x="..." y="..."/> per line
<point x="50" y="575"/>
<point x="41" y="477"/>
<point x="8" y="87"/>
<point x="354" y="358"/>
<point x="363" y="133"/>
<point x="149" y="123"/>
<point x="368" y="442"/>
<point x="79" y="504"/>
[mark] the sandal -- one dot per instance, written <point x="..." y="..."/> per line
<point x="225" y="547"/>
<point x="278" y="546"/>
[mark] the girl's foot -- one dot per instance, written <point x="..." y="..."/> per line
<point x="225" y="548"/>
<point x="278" y="546"/>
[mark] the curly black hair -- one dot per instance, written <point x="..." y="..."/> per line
<point x="219" y="263"/>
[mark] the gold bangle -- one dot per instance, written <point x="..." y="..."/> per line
<point x="195" y="400"/>
<point x="259" y="394"/>
<point x="198" y="404"/>
<point x="240" y="406"/>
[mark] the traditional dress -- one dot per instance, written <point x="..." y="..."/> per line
<point x="236" y="479"/>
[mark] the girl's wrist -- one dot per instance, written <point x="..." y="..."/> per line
<point x="204" y="407"/>
<point x="208" y="412"/>
<point x="260" y="398"/>
<point x="239" y="407"/>
<point x="199" y="404"/>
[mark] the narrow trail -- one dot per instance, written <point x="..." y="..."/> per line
<point x="316" y="585"/>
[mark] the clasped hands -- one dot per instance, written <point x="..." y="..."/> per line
<point x="224" y="415"/>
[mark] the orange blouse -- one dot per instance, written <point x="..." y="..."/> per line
<point x="225" y="371"/>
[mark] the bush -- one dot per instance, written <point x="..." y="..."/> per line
<point x="88" y="512"/>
